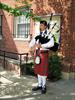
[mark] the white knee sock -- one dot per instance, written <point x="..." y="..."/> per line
<point x="42" y="81"/>
<point x="39" y="81"/>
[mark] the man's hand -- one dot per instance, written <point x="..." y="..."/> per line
<point x="32" y="49"/>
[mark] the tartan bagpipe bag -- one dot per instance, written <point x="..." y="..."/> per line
<point x="43" y="40"/>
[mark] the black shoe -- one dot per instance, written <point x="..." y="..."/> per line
<point x="36" y="88"/>
<point x="43" y="91"/>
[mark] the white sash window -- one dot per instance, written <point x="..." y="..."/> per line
<point x="21" y="27"/>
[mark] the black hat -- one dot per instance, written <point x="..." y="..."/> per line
<point x="43" y="22"/>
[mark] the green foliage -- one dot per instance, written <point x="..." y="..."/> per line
<point x="27" y="69"/>
<point x="17" y="12"/>
<point x="54" y="67"/>
<point x="9" y="9"/>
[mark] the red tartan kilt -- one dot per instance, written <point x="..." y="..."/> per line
<point x="42" y="68"/>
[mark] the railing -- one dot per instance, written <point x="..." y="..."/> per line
<point x="15" y="56"/>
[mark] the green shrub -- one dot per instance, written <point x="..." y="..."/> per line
<point x="54" y="68"/>
<point x="27" y="69"/>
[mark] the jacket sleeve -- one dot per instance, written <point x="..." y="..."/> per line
<point x="48" y="44"/>
<point x="33" y="41"/>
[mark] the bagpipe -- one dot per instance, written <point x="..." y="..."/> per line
<point x="46" y="38"/>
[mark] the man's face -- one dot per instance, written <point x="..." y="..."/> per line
<point x="42" y="27"/>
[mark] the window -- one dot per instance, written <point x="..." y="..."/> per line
<point x="0" y="26"/>
<point x="21" y="27"/>
<point x="56" y="30"/>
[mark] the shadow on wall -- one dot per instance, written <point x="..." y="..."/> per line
<point x="7" y="42"/>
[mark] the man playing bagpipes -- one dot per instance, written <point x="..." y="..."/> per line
<point x="39" y="45"/>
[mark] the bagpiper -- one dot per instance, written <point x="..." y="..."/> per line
<point x="41" y="43"/>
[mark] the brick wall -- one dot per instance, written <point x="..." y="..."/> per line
<point x="73" y="29"/>
<point x="73" y="34"/>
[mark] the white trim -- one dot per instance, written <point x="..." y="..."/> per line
<point x="22" y="39"/>
<point x="54" y="14"/>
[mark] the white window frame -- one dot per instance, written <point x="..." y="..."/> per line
<point x="16" y="22"/>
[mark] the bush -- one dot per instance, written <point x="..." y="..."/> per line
<point x="27" y="69"/>
<point x="54" y="68"/>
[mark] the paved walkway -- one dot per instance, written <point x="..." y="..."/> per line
<point x="14" y="87"/>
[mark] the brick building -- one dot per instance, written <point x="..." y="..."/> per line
<point x="12" y="41"/>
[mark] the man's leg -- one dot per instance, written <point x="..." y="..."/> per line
<point x="39" y="87"/>
<point x="43" y="84"/>
<point x="39" y="80"/>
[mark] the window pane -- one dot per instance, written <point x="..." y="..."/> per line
<point x="21" y="19"/>
<point x="23" y="30"/>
